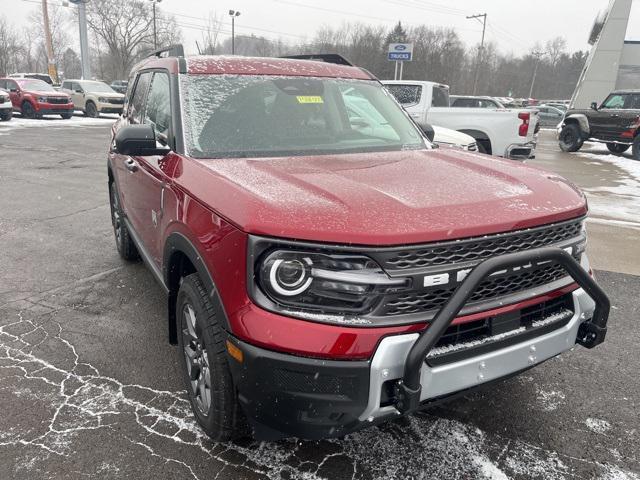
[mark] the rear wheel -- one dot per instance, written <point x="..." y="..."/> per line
<point x="617" y="148"/>
<point x="91" y="110"/>
<point x="484" y="146"/>
<point x="635" y="148"/>
<point x="570" y="139"/>
<point x="205" y="365"/>
<point x="124" y="243"/>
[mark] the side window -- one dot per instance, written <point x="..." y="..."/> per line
<point x="66" y="85"/>
<point x="136" y="105"/>
<point x="158" y="110"/>
<point x="614" y="101"/>
<point x="3" y="84"/>
<point x="75" y="86"/>
<point x="440" y="97"/>
<point x="406" y="94"/>
<point x="633" y="101"/>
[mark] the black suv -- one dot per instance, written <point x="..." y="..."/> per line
<point x="616" y="122"/>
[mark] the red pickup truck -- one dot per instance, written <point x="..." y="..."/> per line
<point x="34" y="98"/>
<point x="328" y="269"/>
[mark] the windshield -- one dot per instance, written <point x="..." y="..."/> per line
<point x="97" y="87"/>
<point x="37" y="85"/>
<point x="262" y="116"/>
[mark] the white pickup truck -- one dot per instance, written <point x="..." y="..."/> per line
<point x="509" y="133"/>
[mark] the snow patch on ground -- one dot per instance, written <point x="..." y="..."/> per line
<point x="56" y="121"/>
<point x="550" y="401"/>
<point x="614" y="473"/>
<point x="597" y="425"/>
<point x="620" y="202"/>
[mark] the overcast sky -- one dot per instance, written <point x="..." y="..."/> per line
<point x="514" y="25"/>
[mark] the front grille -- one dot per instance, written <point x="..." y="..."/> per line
<point x="481" y="248"/>
<point x="492" y="287"/>
<point x="464" y="339"/>
<point x="116" y="101"/>
<point x="57" y="100"/>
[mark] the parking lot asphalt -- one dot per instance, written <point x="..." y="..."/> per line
<point x="90" y="387"/>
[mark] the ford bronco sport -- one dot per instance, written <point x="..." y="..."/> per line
<point x="325" y="272"/>
<point x="616" y="122"/>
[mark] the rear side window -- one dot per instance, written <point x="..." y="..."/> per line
<point x="12" y="85"/>
<point x="66" y="85"/>
<point x="3" y="84"/>
<point x="463" y="102"/>
<point x="158" y="109"/>
<point x="406" y="94"/>
<point x="136" y="105"/>
<point x="440" y="97"/>
<point x="633" y="101"/>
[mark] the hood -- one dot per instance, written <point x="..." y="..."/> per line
<point x="106" y="95"/>
<point x="452" y="137"/>
<point x="44" y="93"/>
<point x="388" y="198"/>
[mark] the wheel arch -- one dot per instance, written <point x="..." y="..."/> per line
<point x="480" y="137"/>
<point x="181" y="258"/>
<point x="579" y="119"/>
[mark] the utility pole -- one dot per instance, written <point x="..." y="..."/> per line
<point x="51" y="63"/>
<point x="84" y="39"/>
<point x="537" y="54"/>
<point x="155" y="35"/>
<point x="481" y="50"/>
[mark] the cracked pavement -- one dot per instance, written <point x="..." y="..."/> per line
<point x="90" y="387"/>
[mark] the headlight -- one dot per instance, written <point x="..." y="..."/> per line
<point x="337" y="283"/>
<point x="42" y="99"/>
<point x="102" y="100"/>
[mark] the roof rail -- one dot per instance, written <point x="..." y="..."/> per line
<point x="171" y="51"/>
<point x="323" y="57"/>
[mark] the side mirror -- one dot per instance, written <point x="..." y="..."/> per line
<point x="594" y="106"/>
<point x="428" y="131"/>
<point x="138" y="140"/>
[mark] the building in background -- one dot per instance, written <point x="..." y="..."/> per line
<point x="613" y="62"/>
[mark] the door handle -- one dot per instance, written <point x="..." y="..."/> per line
<point x="131" y="164"/>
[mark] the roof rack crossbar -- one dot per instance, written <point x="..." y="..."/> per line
<point x="176" y="50"/>
<point x="323" y="57"/>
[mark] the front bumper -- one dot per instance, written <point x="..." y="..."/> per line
<point x="54" y="108"/>
<point x="6" y="106"/>
<point x="285" y="395"/>
<point x="110" y="107"/>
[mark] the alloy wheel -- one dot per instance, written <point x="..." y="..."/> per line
<point x="196" y="359"/>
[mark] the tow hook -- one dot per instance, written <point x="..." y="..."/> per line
<point x="590" y="335"/>
<point x="406" y="398"/>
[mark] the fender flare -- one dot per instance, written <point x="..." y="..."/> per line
<point x="177" y="242"/>
<point x="582" y="121"/>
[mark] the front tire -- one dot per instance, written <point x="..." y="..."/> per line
<point x="66" y="116"/>
<point x="570" y="139"/>
<point x="6" y="116"/>
<point x="617" y="148"/>
<point x="28" y="111"/>
<point x="124" y="243"/>
<point x="635" y="148"/>
<point x="91" y="110"/>
<point x="205" y="363"/>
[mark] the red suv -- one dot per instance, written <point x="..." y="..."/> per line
<point x="326" y="267"/>
<point x="35" y="98"/>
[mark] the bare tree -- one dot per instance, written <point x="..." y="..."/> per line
<point x="9" y="43"/>
<point x="210" y="34"/>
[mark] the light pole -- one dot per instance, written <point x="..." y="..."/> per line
<point x="233" y="14"/>
<point x="84" y="41"/>
<point x="155" y="35"/>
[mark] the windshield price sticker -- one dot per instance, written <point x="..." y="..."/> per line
<point x="309" y="99"/>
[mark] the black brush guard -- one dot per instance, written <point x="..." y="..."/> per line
<point x="590" y="334"/>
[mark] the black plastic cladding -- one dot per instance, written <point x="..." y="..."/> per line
<point x="421" y="304"/>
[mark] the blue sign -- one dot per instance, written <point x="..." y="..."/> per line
<point x="400" y="56"/>
<point x="400" y="52"/>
